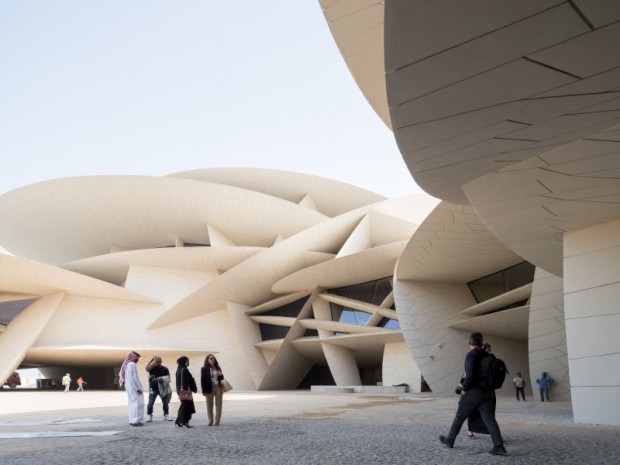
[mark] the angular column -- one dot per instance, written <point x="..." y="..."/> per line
<point x="24" y="330"/>
<point x="340" y="360"/>
<point x="547" y="335"/>
<point x="592" y="312"/>
<point x="248" y="334"/>
<point x="399" y="367"/>
<point x="425" y="311"/>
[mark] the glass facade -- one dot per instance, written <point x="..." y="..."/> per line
<point x="372" y="292"/>
<point x="389" y="323"/>
<point x="499" y="283"/>
<point x="269" y="332"/>
<point x="291" y="309"/>
<point x="353" y="317"/>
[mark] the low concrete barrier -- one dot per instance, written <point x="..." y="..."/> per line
<point x="360" y="389"/>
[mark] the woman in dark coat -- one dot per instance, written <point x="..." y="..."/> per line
<point x="185" y="380"/>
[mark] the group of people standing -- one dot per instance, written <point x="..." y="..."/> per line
<point x="544" y="383"/>
<point x="211" y="378"/>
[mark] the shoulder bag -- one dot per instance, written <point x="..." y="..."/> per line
<point x="184" y="394"/>
<point x="225" y="386"/>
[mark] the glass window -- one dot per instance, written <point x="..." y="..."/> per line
<point x="372" y="292"/>
<point x="269" y="332"/>
<point x="348" y="316"/>
<point x="502" y="281"/>
<point x="362" y="317"/>
<point x="389" y="323"/>
<point x="291" y="309"/>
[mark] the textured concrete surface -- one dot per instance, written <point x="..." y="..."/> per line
<point x="292" y="427"/>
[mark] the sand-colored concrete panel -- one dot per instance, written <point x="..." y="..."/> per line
<point x="342" y="365"/>
<point x="248" y="334"/>
<point x="586" y="371"/>
<point x="606" y="273"/>
<point x="165" y="285"/>
<point x="590" y="332"/>
<point x="546" y="328"/>
<point x="23" y="330"/>
<point x="598" y="405"/>
<point x="425" y="311"/>
<point x="596" y="301"/>
<point x="400" y="367"/>
<point x="364" y="266"/>
<point x="113" y="267"/>
<point x="331" y="198"/>
<point x="597" y="335"/>
<point x="138" y="212"/>
<point x="547" y="333"/>
<point x="358" y="241"/>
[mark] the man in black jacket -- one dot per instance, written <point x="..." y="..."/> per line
<point x="159" y="379"/>
<point x="473" y="397"/>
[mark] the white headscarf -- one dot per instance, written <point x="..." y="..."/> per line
<point x="132" y="357"/>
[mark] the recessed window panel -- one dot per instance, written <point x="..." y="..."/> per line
<point x="372" y="292"/>
<point x="291" y="310"/>
<point x="499" y="283"/>
<point x="389" y="323"/>
<point x="269" y="332"/>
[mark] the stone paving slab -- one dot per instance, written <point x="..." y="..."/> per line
<point x="304" y="428"/>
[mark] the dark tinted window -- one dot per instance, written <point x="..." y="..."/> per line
<point x="372" y="292"/>
<point x="502" y="281"/>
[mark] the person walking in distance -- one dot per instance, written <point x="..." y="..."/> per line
<point x="128" y="376"/>
<point x="519" y="384"/>
<point x="474" y="397"/>
<point x="159" y="385"/>
<point x="66" y="381"/>
<point x="80" y="382"/>
<point x="210" y="378"/>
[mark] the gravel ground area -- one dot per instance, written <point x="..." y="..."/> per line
<point x="302" y="428"/>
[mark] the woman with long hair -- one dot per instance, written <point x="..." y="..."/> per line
<point x="185" y="381"/>
<point x="210" y="378"/>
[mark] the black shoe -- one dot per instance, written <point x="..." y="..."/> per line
<point x="498" y="450"/>
<point x="187" y="425"/>
<point x="446" y="442"/>
<point x="178" y="424"/>
<point x="136" y="424"/>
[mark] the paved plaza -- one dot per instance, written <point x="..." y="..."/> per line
<point x="292" y="427"/>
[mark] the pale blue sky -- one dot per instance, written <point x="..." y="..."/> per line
<point x="154" y="87"/>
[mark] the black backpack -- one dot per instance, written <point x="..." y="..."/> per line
<point x="492" y="373"/>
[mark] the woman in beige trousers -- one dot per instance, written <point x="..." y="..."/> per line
<point x="210" y="378"/>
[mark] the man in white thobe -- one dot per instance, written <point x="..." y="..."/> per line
<point x="129" y="377"/>
<point x="66" y="381"/>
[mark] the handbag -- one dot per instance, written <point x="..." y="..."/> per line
<point x="225" y="386"/>
<point x="185" y="394"/>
